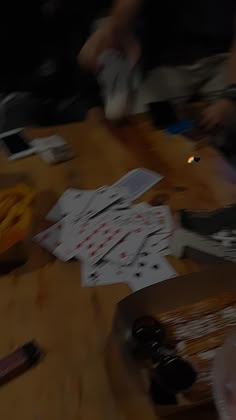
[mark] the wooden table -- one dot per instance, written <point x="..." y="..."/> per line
<point x="44" y="300"/>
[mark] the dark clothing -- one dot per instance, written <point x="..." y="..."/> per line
<point x="182" y="32"/>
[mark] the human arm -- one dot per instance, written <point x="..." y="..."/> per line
<point x="115" y="31"/>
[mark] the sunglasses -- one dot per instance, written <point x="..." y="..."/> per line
<point x="170" y="373"/>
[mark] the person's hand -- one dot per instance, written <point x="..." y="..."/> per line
<point x="103" y="38"/>
<point x="217" y="114"/>
<point x="108" y="35"/>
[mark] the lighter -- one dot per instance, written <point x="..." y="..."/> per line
<point x="19" y="361"/>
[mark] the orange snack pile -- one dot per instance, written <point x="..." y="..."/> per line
<point x="15" y="215"/>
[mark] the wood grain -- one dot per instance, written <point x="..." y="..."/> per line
<point x="44" y="300"/>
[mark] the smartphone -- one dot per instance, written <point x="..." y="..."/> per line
<point x="15" y="144"/>
<point x="163" y="114"/>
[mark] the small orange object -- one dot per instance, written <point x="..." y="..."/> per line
<point x="190" y="159"/>
<point x="15" y="215"/>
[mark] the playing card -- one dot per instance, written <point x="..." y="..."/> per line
<point x="55" y="214"/>
<point x="103" y="198"/>
<point x="153" y="218"/>
<point x="149" y="269"/>
<point x="49" y="238"/>
<point x="124" y="202"/>
<point x="76" y="201"/>
<point x="103" y="273"/>
<point x="156" y="219"/>
<point x="74" y="231"/>
<point x="158" y="243"/>
<point x="137" y="181"/>
<point x="121" y="205"/>
<point x="94" y="243"/>
<point x="127" y="216"/>
<point x="71" y="232"/>
<point x="125" y="252"/>
<point x="72" y="201"/>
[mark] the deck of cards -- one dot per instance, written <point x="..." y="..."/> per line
<point x="53" y="149"/>
<point x="114" y="240"/>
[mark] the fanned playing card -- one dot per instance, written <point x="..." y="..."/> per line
<point x="156" y="219"/>
<point x="152" y="218"/>
<point x="49" y="238"/>
<point x="149" y="269"/>
<point x="76" y="201"/>
<point x="72" y="201"/>
<point x="71" y="232"/>
<point x="158" y="243"/>
<point x="55" y="214"/>
<point x="125" y="252"/>
<point x="98" y="239"/>
<point x="137" y="181"/>
<point x="102" y="273"/>
<point x="103" y="198"/>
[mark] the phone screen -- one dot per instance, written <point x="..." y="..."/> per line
<point x="15" y="144"/>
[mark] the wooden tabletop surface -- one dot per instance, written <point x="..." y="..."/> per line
<point x="44" y="301"/>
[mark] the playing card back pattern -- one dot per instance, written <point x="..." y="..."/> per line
<point x="198" y="330"/>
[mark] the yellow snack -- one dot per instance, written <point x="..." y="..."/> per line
<point x="16" y="233"/>
<point x="27" y="200"/>
<point x="15" y="215"/>
<point x="9" y="197"/>
<point x="20" y="190"/>
<point x="6" y="206"/>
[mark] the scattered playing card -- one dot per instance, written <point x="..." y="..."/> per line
<point x="102" y="273"/>
<point x="149" y="269"/>
<point x="124" y="202"/>
<point x="138" y="181"/>
<point x="156" y="219"/>
<point x="125" y="252"/>
<point x="55" y="214"/>
<point x="71" y="232"/>
<point x="158" y="243"/>
<point x="76" y="201"/>
<point x="49" y="238"/>
<point x="114" y="240"/>
<point x="153" y="218"/>
<point x="104" y="197"/>
<point x="96" y="242"/>
<point x="72" y="201"/>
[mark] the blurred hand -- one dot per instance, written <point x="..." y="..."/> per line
<point x="219" y="113"/>
<point x="105" y="37"/>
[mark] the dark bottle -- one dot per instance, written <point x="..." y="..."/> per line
<point x="173" y="373"/>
